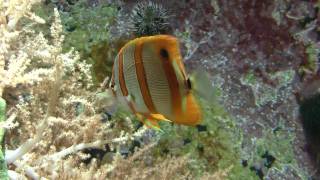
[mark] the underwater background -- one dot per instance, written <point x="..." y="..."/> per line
<point x="56" y="57"/>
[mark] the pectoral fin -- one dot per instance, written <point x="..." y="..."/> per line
<point x="202" y="86"/>
<point x="184" y="104"/>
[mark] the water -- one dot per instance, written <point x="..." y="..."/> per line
<point x="261" y="58"/>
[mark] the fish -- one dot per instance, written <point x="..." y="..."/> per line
<point x="149" y="73"/>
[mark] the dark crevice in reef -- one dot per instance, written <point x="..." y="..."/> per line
<point x="310" y="117"/>
<point x="96" y="153"/>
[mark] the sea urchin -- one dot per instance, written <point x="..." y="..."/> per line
<point x="149" y="19"/>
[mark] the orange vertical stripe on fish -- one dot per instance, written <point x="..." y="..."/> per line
<point x="142" y="77"/>
<point x="121" y="76"/>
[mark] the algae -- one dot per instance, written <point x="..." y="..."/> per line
<point x="213" y="145"/>
<point x="273" y="153"/>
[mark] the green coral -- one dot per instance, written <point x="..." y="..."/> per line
<point x="311" y="66"/>
<point x="312" y="52"/>
<point x="87" y="30"/>
<point x="86" y="26"/>
<point x="3" y="165"/>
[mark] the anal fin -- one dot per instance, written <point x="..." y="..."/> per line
<point x="150" y="121"/>
<point x="159" y="117"/>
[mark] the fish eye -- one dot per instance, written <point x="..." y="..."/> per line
<point x="164" y="53"/>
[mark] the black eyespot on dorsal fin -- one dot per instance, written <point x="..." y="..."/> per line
<point x="188" y="82"/>
<point x="164" y="53"/>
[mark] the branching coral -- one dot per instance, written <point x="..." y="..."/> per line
<point x="10" y="53"/>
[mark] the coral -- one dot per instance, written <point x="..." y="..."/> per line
<point x="219" y="175"/>
<point x="14" y="73"/>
